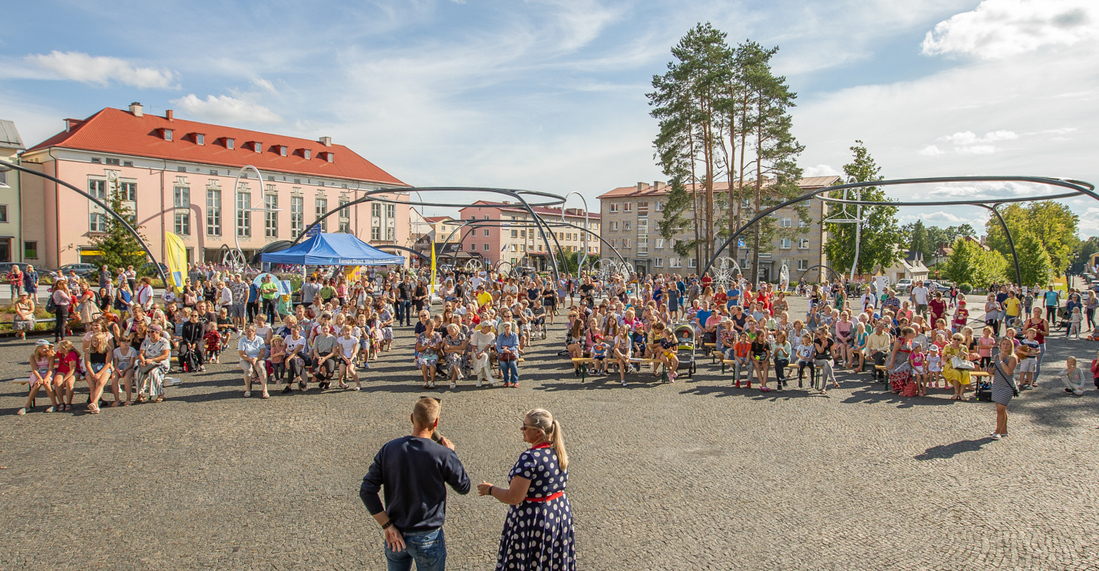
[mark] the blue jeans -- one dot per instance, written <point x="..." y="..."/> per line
<point x="1038" y="370"/>
<point x="405" y="315"/>
<point x="510" y="369"/>
<point x="427" y="549"/>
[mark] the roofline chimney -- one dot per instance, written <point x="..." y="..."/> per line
<point x="169" y="115"/>
<point x="326" y="141"/>
<point x="137" y="109"/>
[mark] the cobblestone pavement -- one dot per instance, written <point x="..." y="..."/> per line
<point x="690" y="475"/>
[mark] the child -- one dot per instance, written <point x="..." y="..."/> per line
<point x="213" y="341"/>
<point x="277" y="360"/>
<point x="918" y="360"/>
<point x="1074" y="321"/>
<point x="622" y="352"/>
<point x="961" y="317"/>
<point x="599" y="355"/>
<point x="67" y="361"/>
<point x="125" y="357"/>
<point x="934" y="366"/>
<point x="1027" y="351"/>
<point x="349" y="349"/>
<point x="804" y="352"/>
<point x="41" y="362"/>
<point x="385" y="320"/>
<point x="667" y="351"/>
<point x="1072" y="377"/>
<point x="984" y="349"/>
<point x="741" y="354"/>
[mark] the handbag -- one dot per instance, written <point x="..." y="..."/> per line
<point x="506" y="356"/>
<point x="962" y="364"/>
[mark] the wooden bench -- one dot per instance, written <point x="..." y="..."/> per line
<point x="583" y="363"/>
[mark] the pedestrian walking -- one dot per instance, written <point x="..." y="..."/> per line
<point x="1003" y="384"/>
<point x="413" y="472"/>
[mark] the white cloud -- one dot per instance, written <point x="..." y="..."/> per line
<point x="101" y="70"/>
<point x="999" y="29"/>
<point x="1089" y="222"/>
<point x="820" y="170"/>
<point x="264" y="85"/>
<point x="968" y="143"/>
<point x="931" y="151"/>
<point x="226" y="109"/>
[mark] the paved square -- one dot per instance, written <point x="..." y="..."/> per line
<point x="690" y="475"/>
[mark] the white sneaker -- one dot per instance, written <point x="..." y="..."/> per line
<point x="247" y="394"/>
<point x="453" y="385"/>
<point x="995" y="436"/>
<point x="21" y="412"/>
<point x="478" y="383"/>
<point x="1078" y="392"/>
<point x="623" y="383"/>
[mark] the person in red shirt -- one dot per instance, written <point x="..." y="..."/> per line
<point x="65" y="374"/>
<point x="938" y="307"/>
<point x="961" y="316"/>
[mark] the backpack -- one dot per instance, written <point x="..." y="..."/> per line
<point x="51" y="307"/>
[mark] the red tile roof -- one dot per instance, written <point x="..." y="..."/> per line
<point x="650" y="190"/>
<point x="120" y="132"/>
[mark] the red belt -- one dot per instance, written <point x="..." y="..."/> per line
<point x="552" y="496"/>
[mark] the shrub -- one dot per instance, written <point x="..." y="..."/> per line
<point x="965" y="287"/>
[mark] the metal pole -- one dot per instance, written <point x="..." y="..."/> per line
<point x="1010" y="242"/>
<point x="125" y="223"/>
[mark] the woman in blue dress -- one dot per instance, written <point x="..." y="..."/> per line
<point x="538" y="531"/>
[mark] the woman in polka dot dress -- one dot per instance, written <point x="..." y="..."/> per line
<point x="538" y="531"/>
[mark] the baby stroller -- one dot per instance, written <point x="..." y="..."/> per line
<point x="685" y="350"/>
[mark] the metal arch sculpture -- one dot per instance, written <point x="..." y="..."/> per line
<point x="476" y="223"/>
<point x="1077" y="186"/>
<point x="420" y="255"/>
<point x="825" y="266"/>
<point x="375" y="196"/>
<point x="475" y="265"/>
<point x="121" y="219"/>
<point x="724" y="275"/>
<point x="497" y="223"/>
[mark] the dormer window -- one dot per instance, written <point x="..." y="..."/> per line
<point x="257" y="146"/>
<point x="200" y="139"/>
<point x="326" y="155"/>
<point x="306" y="153"/>
<point x="282" y="150"/>
<point x="166" y="134"/>
<point x="230" y="143"/>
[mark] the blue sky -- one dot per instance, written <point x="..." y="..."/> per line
<point x="550" y="95"/>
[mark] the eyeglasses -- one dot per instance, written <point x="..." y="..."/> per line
<point x="524" y="427"/>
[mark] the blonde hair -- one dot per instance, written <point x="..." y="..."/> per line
<point x="541" y="419"/>
<point x="98" y="342"/>
<point x="426" y="412"/>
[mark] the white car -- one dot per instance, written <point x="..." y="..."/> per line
<point x="902" y="286"/>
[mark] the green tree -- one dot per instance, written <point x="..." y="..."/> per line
<point x="877" y="245"/>
<point x="919" y="240"/>
<point x="119" y="247"/>
<point x="970" y="263"/>
<point x="1083" y="254"/>
<point x="1035" y="266"/>
<point x="1053" y="224"/>
<point x="960" y="264"/>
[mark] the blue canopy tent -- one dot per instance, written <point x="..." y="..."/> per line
<point x="333" y="250"/>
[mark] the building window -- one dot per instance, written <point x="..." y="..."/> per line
<point x="213" y="212"/>
<point x="98" y="188"/>
<point x="627" y="207"/>
<point x="321" y="209"/>
<point x="626" y="243"/>
<point x="659" y="243"/>
<point x="391" y="210"/>
<point x="391" y="234"/>
<point x="613" y="207"/>
<point x="270" y="216"/>
<point x="802" y="224"/>
<point x="183" y="223"/>
<point x="244" y="217"/>
<point x="692" y="263"/>
<point x="182" y="196"/>
<point x="626" y="225"/>
<point x="514" y="233"/>
<point x="128" y="192"/>
<point x="297" y="215"/>
<point x="486" y="233"/>
<point x="345" y="215"/>
<point x="785" y="243"/>
<point x="658" y="262"/>
<point x="376" y="233"/>
<point x="30" y="250"/>
<point x="786" y="222"/>
<point x="675" y="263"/>
<point x="659" y="206"/>
<point x="114" y="162"/>
<point x="803" y="265"/>
<point x="614" y="226"/>
<point x="486" y="247"/>
<point x="97" y="222"/>
<point x="473" y="247"/>
<point x="3" y="212"/>
<point x="803" y="244"/>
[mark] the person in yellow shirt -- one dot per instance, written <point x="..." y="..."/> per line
<point x="484" y="298"/>
<point x="1012" y="308"/>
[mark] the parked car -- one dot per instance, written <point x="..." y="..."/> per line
<point x="80" y="269"/>
<point x="903" y="286"/>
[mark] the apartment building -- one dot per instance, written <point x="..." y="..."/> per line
<point x="12" y="246"/>
<point x="631" y="217"/>
<point x="521" y="244"/>
<point x="177" y="176"/>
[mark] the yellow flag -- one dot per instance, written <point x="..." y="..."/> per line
<point x="432" y="266"/>
<point x="177" y="260"/>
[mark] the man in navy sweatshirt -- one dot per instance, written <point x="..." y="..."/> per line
<point x="413" y="470"/>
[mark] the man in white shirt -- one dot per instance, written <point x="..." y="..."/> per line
<point x="226" y="298"/>
<point x="919" y="296"/>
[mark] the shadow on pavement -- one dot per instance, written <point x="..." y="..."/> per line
<point x="951" y="450"/>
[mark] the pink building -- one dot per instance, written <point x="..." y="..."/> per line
<point x="178" y="175"/>
<point x="522" y="244"/>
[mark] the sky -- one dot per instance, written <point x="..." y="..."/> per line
<point x="549" y="95"/>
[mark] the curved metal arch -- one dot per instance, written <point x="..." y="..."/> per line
<point x="1078" y="186"/>
<point x="478" y="223"/>
<point x="372" y="195"/>
<point x="125" y="223"/>
<point x="492" y="223"/>
<point x="421" y="255"/>
<point x="825" y="266"/>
